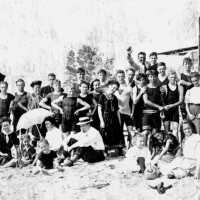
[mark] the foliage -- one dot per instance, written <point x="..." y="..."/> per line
<point x="88" y="58"/>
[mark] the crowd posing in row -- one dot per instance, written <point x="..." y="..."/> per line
<point x="158" y="107"/>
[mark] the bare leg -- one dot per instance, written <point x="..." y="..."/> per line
<point x="129" y="136"/>
<point x="11" y="163"/>
<point x="175" y="129"/>
<point x="146" y="134"/>
<point x="197" y="125"/>
<point x="167" y="126"/>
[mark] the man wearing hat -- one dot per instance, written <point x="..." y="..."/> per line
<point x="87" y="144"/>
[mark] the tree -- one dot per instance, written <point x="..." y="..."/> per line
<point x="89" y="58"/>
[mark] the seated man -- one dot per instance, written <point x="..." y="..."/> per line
<point x="87" y="144"/>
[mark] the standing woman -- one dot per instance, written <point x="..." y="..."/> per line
<point x="20" y="102"/>
<point x="86" y="97"/>
<point x="173" y="98"/>
<point x="67" y="104"/>
<point x="5" y="100"/>
<point x="46" y="101"/>
<point x="138" y="103"/>
<point x="96" y="96"/>
<point x="34" y="98"/>
<point x="192" y="100"/>
<point x="33" y="102"/>
<point x="185" y="81"/>
<point x="109" y="116"/>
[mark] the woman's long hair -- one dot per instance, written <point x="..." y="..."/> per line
<point x="189" y="122"/>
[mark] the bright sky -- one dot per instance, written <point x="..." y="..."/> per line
<point x="35" y="34"/>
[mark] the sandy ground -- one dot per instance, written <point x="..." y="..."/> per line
<point x="101" y="181"/>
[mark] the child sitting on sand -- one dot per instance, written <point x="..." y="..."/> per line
<point x="46" y="159"/>
<point x="27" y="154"/>
<point x="137" y="157"/>
<point x="28" y="151"/>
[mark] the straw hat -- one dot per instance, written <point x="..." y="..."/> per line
<point x="84" y="120"/>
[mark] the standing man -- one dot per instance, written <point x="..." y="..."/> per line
<point x="49" y="88"/>
<point x="153" y="61"/>
<point x="124" y="94"/>
<point x="130" y="74"/>
<point x="141" y="65"/>
<point x="20" y="103"/>
<point x="152" y="107"/>
<point x="5" y="100"/>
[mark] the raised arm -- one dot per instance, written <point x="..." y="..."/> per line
<point x="131" y="61"/>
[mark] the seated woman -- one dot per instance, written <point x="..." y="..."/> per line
<point x="189" y="162"/>
<point x="8" y="139"/>
<point x="87" y="144"/>
<point x="53" y="135"/>
<point x="169" y="150"/>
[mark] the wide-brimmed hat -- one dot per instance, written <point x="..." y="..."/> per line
<point x="84" y="120"/>
<point x="36" y="83"/>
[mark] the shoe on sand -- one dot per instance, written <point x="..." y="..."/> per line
<point x="68" y="163"/>
<point x="171" y="176"/>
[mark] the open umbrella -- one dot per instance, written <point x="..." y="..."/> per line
<point x="33" y="117"/>
<point x="30" y="118"/>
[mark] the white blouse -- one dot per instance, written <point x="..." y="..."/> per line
<point x="54" y="137"/>
<point x="193" y="95"/>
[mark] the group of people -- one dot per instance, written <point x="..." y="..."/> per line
<point x="158" y="107"/>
